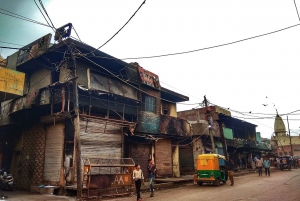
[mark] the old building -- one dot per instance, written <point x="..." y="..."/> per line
<point x="282" y="143"/>
<point x="123" y="111"/>
<point x="241" y="139"/>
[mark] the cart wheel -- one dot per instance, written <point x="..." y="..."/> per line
<point x="199" y="183"/>
<point x="217" y="182"/>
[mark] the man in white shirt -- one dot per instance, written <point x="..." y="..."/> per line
<point x="138" y="179"/>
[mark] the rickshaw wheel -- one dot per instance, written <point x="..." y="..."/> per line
<point x="199" y="183"/>
<point x="224" y="181"/>
<point x="217" y="182"/>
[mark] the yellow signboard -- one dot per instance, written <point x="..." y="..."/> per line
<point x="222" y="111"/>
<point x="11" y="81"/>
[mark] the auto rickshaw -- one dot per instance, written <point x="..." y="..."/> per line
<point x="285" y="162"/>
<point x="211" y="168"/>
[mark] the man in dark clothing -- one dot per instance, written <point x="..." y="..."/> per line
<point x="230" y="167"/>
<point x="152" y="170"/>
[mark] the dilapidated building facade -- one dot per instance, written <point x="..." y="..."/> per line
<point x="240" y="136"/>
<point x="123" y="111"/>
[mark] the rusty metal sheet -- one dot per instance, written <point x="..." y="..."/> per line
<point x="110" y="85"/>
<point x="34" y="49"/>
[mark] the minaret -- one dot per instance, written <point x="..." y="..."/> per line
<point x="279" y="127"/>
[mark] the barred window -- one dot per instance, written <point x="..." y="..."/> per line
<point x="149" y="104"/>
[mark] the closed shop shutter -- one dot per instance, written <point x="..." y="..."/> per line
<point x="186" y="160"/>
<point x="53" y="153"/>
<point x="163" y="157"/>
<point x="99" y="140"/>
<point x="140" y="153"/>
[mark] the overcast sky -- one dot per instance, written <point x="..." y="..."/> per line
<point x="238" y="76"/>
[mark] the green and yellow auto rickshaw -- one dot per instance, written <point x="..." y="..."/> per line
<point x="211" y="168"/>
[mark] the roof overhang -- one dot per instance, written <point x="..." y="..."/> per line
<point x="172" y="96"/>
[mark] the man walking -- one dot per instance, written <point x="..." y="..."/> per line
<point x="152" y="170"/>
<point x="259" y="164"/>
<point x="230" y="167"/>
<point x="267" y="166"/>
<point x="138" y="179"/>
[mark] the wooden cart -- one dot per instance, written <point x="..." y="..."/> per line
<point x="107" y="177"/>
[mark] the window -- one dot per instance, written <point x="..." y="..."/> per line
<point x="149" y="104"/>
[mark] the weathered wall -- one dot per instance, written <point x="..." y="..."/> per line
<point x="148" y="122"/>
<point x="36" y="81"/>
<point x="197" y="149"/>
<point x="140" y="153"/>
<point x="163" y="157"/>
<point x="186" y="159"/>
<point x="170" y="107"/>
<point x="286" y="140"/>
<point x="174" y="126"/>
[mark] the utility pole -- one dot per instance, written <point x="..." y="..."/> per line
<point x="292" y="151"/>
<point x="224" y="145"/>
<point x="76" y="127"/>
<point x="210" y="124"/>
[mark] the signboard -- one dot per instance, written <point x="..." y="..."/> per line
<point x="34" y="49"/>
<point x="222" y="111"/>
<point x="11" y="81"/>
<point x="149" y="78"/>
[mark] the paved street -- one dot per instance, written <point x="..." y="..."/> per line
<point x="282" y="185"/>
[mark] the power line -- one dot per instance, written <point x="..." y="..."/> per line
<point x="11" y="43"/>
<point x="76" y="33"/>
<point x="46" y="13"/>
<point x="43" y="15"/>
<point x="211" y="47"/>
<point x="11" y="14"/>
<point x="297" y="9"/>
<point x="123" y="25"/>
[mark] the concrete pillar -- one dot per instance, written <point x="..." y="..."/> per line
<point x="176" y="165"/>
<point x="198" y="148"/>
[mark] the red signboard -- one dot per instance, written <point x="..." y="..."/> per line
<point x="149" y="78"/>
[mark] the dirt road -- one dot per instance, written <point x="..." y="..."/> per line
<point x="282" y="185"/>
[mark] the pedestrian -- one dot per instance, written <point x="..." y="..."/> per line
<point x="267" y="166"/>
<point x="138" y="179"/>
<point x="278" y="163"/>
<point x="259" y="165"/>
<point x="152" y="171"/>
<point x="230" y="167"/>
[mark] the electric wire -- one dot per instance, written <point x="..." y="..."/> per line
<point x="121" y="27"/>
<point x="215" y="46"/>
<point x="41" y="3"/>
<point x="11" y="43"/>
<point x="11" y="14"/>
<point x="76" y="33"/>
<point x="297" y="9"/>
